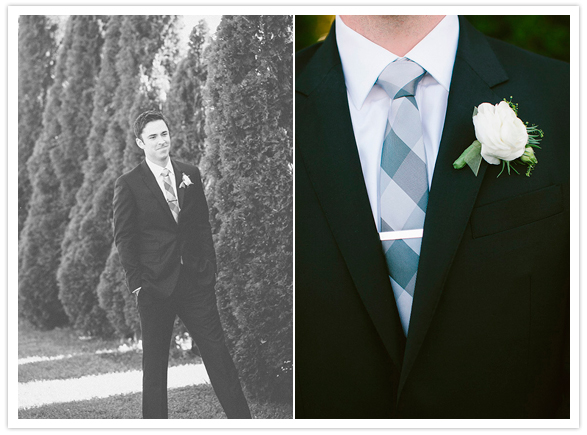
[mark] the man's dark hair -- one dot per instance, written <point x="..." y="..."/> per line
<point x="146" y="117"/>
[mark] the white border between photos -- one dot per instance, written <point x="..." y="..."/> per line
<point x="267" y="7"/>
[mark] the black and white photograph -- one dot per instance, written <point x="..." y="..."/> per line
<point x="155" y="215"/>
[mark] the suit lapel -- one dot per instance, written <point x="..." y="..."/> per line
<point x="453" y="192"/>
<point x="153" y="186"/>
<point x="330" y="155"/>
<point x="178" y="180"/>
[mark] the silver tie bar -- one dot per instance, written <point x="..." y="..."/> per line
<point x="405" y="234"/>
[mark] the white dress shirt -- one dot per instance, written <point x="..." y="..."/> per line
<point x="363" y="61"/>
<point x="156" y="170"/>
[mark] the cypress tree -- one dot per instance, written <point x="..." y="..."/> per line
<point x="142" y="42"/>
<point x="70" y="154"/>
<point x="248" y="163"/>
<point x="75" y="115"/>
<point x="184" y="105"/>
<point x="36" y="52"/>
<point x="38" y="294"/>
<point x="88" y="237"/>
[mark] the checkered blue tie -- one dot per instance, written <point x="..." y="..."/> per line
<point x="170" y="194"/>
<point x="403" y="181"/>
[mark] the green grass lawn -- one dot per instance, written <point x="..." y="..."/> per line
<point x="192" y="402"/>
<point x="195" y="402"/>
<point x="59" y="341"/>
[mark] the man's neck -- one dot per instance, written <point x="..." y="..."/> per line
<point x="161" y="164"/>
<point x="396" y="33"/>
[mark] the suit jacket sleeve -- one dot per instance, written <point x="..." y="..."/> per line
<point x="125" y="233"/>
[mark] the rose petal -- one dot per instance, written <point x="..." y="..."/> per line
<point x="505" y="111"/>
<point x="490" y="159"/>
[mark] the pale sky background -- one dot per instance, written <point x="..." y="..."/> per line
<point x="189" y="21"/>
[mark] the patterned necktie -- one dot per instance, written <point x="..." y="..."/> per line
<point x="403" y="181"/>
<point x="170" y="194"/>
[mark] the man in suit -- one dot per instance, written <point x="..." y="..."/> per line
<point x="164" y="241"/>
<point x="486" y="331"/>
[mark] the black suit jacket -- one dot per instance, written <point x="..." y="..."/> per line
<point x="488" y="336"/>
<point x="151" y="245"/>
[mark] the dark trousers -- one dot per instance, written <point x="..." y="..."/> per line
<point x="197" y="309"/>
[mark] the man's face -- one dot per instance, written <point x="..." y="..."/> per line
<point x="156" y="142"/>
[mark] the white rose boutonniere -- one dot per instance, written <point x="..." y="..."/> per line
<point x="185" y="181"/>
<point x="502" y="137"/>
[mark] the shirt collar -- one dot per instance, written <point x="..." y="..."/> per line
<point x="156" y="169"/>
<point x="363" y="60"/>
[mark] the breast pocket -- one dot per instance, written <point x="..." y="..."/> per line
<point x="517" y="211"/>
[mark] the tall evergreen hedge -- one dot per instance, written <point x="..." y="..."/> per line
<point x="88" y="238"/>
<point x="249" y="165"/>
<point x="36" y="55"/>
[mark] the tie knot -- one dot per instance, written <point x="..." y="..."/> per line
<point x="165" y="172"/>
<point x="400" y="78"/>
